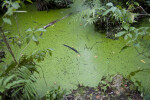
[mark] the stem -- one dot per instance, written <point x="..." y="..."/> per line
<point x="17" y="24"/>
<point x="24" y="48"/>
<point x="7" y="45"/>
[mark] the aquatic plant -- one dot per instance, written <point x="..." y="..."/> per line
<point x="117" y="19"/>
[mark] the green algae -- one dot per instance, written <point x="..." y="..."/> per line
<point x="99" y="55"/>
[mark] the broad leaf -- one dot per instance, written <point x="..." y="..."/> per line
<point x="15" y="5"/>
<point x="126" y="37"/>
<point x="132" y="28"/>
<point x="34" y="38"/>
<point x="123" y="48"/>
<point x="137" y="45"/>
<point x="9" y="11"/>
<point x="106" y="12"/>
<point x="29" y="30"/>
<point x="130" y="17"/>
<point x="41" y="29"/>
<point x="130" y="35"/>
<point x="125" y="26"/>
<point x="7" y="20"/>
<point x="109" y="4"/>
<point x="28" y="38"/>
<point x="120" y="33"/>
<point x="136" y="3"/>
<point x="29" y="1"/>
<point x="113" y="9"/>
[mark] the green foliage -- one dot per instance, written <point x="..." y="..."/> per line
<point x="106" y="13"/>
<point x="27" y="61"/>
<point x="11" y="6"/>
<point x="6" y="20"/>
<point x="32" y="35"/>
<point x="18" y="84"/>
<point x="55" y="94"/>
<point x="17" y="81"/>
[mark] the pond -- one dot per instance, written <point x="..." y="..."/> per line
<point x="98" y="55"/>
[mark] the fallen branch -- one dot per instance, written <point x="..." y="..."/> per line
<point x="55" y="21"/>
<point x="144" y="12"/>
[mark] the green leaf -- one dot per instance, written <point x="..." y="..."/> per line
<point x="118" y="12"/>
<point x="49" y="51"/>
<point x="15" y="5"/>
<point x="130" y="17"/>
<point x="7" y="20"/>
<point x="125" y="26"/>
<point x="113" y="9"/>
<point x="126" y="37"/>
<point x="130" y="35"/>
<point x="106" y="12"/>
<point x="136" y="3"/>
<point x="29" y="30"/>
<point x="3" y="5"/>
<point x="29" y="1"/>
<point x="123" y="48"/>
<point x="28" y="38"/>
<point x="9" y="68"/>
<point x="109" y="4"/>
<point x="34" y="38"/>
<point x="132" y="28"/>
<point x="9" y="11"/>
<point x="120" y="33"/>
<point x="137" y="45"/>
<point x="41" y="29"/>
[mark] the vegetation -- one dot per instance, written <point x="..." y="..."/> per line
<point x="105" y="15"/>
<point x="113" y="87"/>
<point x="114" y="17"/>
<point x="17" y="80"/>
<point x="48" y="4"/>
<point x="54" y="94"/>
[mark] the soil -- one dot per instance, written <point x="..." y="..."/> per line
<point x="116" y="88"/>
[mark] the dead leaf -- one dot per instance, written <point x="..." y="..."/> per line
<point x="95" y="56"/>
<point x="97" y="97"/>
<point x="117" y="92"/>
<point x="143" y="61"/>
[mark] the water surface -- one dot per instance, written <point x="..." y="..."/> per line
<point x="98" y="55"/>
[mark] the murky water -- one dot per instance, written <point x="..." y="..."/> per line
<point x="98" y="55"/>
